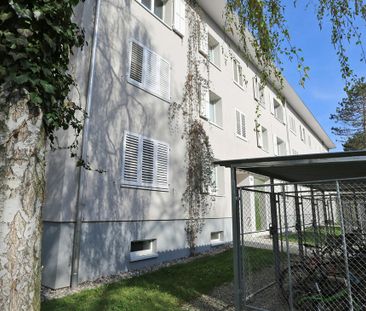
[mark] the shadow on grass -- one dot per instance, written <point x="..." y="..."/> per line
<point x="164" y="289"/>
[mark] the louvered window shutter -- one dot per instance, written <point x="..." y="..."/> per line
<point x="179" y="16"/>
<point x="243" y="128"/>
<point x="162" y="165"/>
<point x="136" y="65"/>
<point x="147" y="163"/>
<point x="152" y="71"/>
<point x="238" y="123"/>
<point x="130" y="165"/>
<point x="271" y="103"/>
<point x="204" y="102"/>
<point x="203" y="42"/>
<point x="255" y="88"/>
<point x="149" y="71"/>
<point x="275" y="146"/>
<point x="259" y="136"/>
<point x="164" y="79"/>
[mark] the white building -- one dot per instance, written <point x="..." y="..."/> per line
<point x="132" y="216"/>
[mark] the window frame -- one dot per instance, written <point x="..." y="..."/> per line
<point x="215" y="62"/>
<point x="241" y="115"/>
<point x="152" y="12"/>
<point x="275" y="110"/>
<point x="140" y="184"/>
<point x="143" y="85"/>
<point x="220" y="240"/>
<point x="239" y="69"/>
<point x="146" y="253"/>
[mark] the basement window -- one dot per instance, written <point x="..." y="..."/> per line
<point x="143" y="249"/>
<point x="217" y="238"/>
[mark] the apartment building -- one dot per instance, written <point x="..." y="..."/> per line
<point x="133" y="69"/>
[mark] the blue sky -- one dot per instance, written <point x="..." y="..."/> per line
<point x="324" y="89"/>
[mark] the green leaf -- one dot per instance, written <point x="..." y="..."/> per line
<point x="48" y="88"/>
<point x="21" y="79"/>
<point x="25" y="32"/>
<point x="5" y="16"/>
<point x="34" y="97"/>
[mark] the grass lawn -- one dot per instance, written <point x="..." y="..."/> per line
<point x="309" y="236"/>
<point x="165" y="289"/>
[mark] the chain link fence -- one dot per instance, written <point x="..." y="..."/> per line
<point x="303" y="246"/>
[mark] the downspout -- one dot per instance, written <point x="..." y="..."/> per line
<point x="89" y="100"/>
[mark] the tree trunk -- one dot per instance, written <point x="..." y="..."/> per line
<point x="22" y="167"/>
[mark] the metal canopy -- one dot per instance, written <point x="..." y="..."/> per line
<point x="305" y="167"/>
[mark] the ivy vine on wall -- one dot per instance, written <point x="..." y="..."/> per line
<point x="37" y="39"/>
<point x="199" y="155"/>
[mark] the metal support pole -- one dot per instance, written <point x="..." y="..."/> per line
<point x="340" y="208"/>
<point x="298" y="223"/>
<point x="325" y="212"/>
<point x="313" y="212"/>
<point x="274" y="220"/>
<point x="288" y="249"/>
<point x="237" y="248"/>
<point x="358" y="222"/>
<point x="332" y="213"/>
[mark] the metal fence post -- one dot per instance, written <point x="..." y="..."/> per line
<point x="236" y="242"/>
<point x="298" y="222"/>
<point x="344" y="244"/>
<point x="275" y="232"/>
<point x="287" y="248"/>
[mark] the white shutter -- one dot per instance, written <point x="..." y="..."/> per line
<point x="152" y="71"/>
<point x="162" y="164"/>
<point x="238" y="123"/>
<point x="179" y="16"/>
<point x="275" y="147"/>
<point x="164" y="79"/>
<point x="136" y="62"/>
<point x="271" y="103"/>
<point x="147" y="163"/>
<point x="259" y="136"/>
<point x="130" y="159"/>
<point x="284" y="113"/>
<point x="149" y="71"/>
<point x="243" y="127"/>
<point x="203" y="40"/>
<point x="204" y="102"/>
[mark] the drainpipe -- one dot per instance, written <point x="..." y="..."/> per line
<point x="89" y="100"/>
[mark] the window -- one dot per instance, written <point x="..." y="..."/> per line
<point x="258" y="91"/>
<point x="143" y="249"/>
<point x="238" y="73"/>
<point x="302" y="133"/>
<point x="149" y="71"/>
<point x="211" y="107"/>
<point x="217" y="237"/>
<point x="240" y="125"/>
<point x="279" y="146"/>
<point x="218" y="177"/>
<point x="278" y="110"/>
<point x="292" y="124"/>
<point x="144" y="162"/>
<point x="160" y="8"/>
<point x="179" y="24"/>
<point x="262" y="137"/>
<point x="213" y="51"/>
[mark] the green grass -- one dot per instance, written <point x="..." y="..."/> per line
<point x="165" y="289"/>
<point x="309" y="236"/>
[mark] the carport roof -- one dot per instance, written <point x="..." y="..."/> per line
<point x="305" y="167"/>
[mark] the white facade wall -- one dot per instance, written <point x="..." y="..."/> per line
<point x="113" y="215"/>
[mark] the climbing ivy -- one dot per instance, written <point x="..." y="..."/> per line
<point x="37" y="39"/>
<point x="196" y="199"/>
